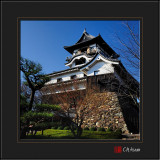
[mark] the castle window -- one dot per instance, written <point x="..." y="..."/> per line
<point x="73" y="77"/>
<point x="59" y="80"/>
<point x="80" y="61"/>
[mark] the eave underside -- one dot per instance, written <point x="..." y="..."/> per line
<point x="97" y="40"/>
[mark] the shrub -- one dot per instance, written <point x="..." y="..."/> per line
<point x="101" y="129"/>
<point x="47" y="107"/>
<point x="36" y="116"/>
<point x="93" y="128"/>
<point x="66" y="128"/>
<point x="86" y="129"/>
<point x="60" y="128"/>
<point x="41" y="126"/>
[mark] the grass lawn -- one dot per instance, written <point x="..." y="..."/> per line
<point x="66" y="134"/>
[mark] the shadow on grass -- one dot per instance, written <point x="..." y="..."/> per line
<point x="66" y="134"/>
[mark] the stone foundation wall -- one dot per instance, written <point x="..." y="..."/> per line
<point x="110" y="115"/>
<point x="117" y="112"/>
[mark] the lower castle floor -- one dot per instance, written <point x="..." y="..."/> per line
<point x="119" y="111"/>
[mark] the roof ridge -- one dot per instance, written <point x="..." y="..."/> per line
<point x="75" y="68"/>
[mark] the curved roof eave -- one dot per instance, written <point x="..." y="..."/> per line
<point x="82" y="54"/>
<point x="92" y="41"/>
<point x="80" y="67"/>
<point x="109" y="59"/>
<point x="68" y="48"/>
<point x="63" y="71"/>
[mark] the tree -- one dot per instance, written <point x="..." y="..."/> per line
<point x="37" y="116"/>
<point x="75" y="104"/>
<point x="26" y="92"/>
<point x="130" y="48"/>
<point x="42" y="117"/>
<point x="34" y="77"/>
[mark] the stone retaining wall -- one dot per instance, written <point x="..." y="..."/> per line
<point x="109" y="116"/>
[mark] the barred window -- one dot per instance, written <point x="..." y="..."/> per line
<point x="73" y="77"/>
<point x="59" y="79"/>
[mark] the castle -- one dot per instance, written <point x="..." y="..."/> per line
<point x="94" y="62"/>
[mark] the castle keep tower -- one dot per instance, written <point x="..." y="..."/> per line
<point x="94" y="62"/>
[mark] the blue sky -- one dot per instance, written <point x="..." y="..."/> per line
<point x="43" y="41"/>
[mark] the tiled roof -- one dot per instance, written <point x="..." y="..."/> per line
<point x="66" y="70"/>
<point x="85" y="37"/>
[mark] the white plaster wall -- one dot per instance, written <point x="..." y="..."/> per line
<point x="100" y="64"/>
<point x="102" y="67"/>
<point x="72" y="63"/>
<point x="65" y="77"/>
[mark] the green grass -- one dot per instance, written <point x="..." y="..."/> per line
<point x="66" y="134"/>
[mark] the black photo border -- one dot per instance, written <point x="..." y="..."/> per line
<point x="12" y="146"/>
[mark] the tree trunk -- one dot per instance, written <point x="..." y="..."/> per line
<point x="72" y="129"/>
<point x="79" y="132"/>
<point x="35" y="132"/>
<point x="31" y="99"/>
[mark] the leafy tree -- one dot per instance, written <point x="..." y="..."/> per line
<point x="34" y="77"/>
<point x="41" y="117"/>
<point x="34" y="117"/>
